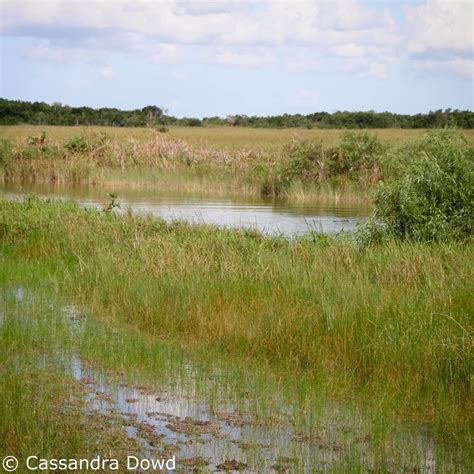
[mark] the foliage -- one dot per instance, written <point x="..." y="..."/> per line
<point x="77" y="143"/>
<point x="17" y="112"/>
<point x="358" y="152"/>
<point x="356" y="157"/>
<point x="432" y="195"/>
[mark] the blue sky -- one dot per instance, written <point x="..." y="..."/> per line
<point x="205" y="58"/>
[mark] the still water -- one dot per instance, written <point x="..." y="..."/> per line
<point x="269" y="216"/>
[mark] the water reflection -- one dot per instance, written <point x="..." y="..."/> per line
<point x="266" y="215"/>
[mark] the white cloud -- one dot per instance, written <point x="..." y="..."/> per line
<point x="197" y="7"/>
<point x="166" y="53"/>
<point x="346" y="29"/>
<point x="298" y="65"/>
<point x="244" y="59"/>
<point x="441" y="25"/>
<point x="48" y="52"/>
<point x="348" y="50"/>
<point x="460" y="66"/>
<point x="366" y="68"/>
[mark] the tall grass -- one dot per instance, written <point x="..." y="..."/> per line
<point x="391" y="323"/>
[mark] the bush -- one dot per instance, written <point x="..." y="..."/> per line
<point x="77" y="143"/>
<point x="306" y="163"/>
<point x="358" y="154"/>
<point x="39" y="152"/>
<point x="432" y="197"/>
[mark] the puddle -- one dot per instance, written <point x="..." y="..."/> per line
<point x="176" y="420"/>
<point x="173" y="423"/>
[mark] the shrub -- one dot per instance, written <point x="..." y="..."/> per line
<point x="358" y="155"/>
<point x="432" y="196"/>
<point x="77" y="143"/>
<point x="39" y="152"/>
<point x="306" y="162"/>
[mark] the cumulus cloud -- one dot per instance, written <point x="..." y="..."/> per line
<point x="348" y="50"/>
<point x="346" y="29"/>
<point x="440" y="36"/>
<point x="441" y="25"/>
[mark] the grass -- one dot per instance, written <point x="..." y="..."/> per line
<point x="392" y="324"/>
<point x="383" y="331"/>
<point x="229" y="160"/>
<point x="230" y="138"/>
<point x="41" y="409"/>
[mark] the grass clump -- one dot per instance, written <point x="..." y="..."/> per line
<point x="6" y="152"/>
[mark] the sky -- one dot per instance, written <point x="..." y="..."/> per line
<point x="207" y="58"/>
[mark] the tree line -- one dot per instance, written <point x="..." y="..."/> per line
<point x="13" y="112"/>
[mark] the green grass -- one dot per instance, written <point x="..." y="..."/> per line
<point x="392" y="323"/>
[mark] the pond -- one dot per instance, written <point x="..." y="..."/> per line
<point x="268" y="216"/>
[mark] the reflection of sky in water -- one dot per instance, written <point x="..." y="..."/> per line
<point x="273" y="217"/>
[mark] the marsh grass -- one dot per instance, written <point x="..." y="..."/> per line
<point x="389" y="323"/>
<point x="41" y="408"/>
<point x="297" y="166"/>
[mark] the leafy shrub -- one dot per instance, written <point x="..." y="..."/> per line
<point x="77" y="144"/>
<point x="357" y="156"/>
<point x="358" y="153"/>
<point x="307" y="162"/>
<point x="191" y="122"/>
<point x="432" y="197"/>
<point x="39" y="152"/>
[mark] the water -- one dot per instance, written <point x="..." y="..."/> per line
<point x="177" y="416"/>
<point x="266" y="215"/>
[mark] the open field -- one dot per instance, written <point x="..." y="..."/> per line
<point x="218" y="137"/>
<point x="388" y="328"/>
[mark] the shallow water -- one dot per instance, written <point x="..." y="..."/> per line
<point x="173" y="416"/>
<point x="266" y="215"/>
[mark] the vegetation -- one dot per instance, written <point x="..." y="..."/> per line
<point x="380" y="322"/>
<point x="19" y="112"/>
<point x="430" y="192"/>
